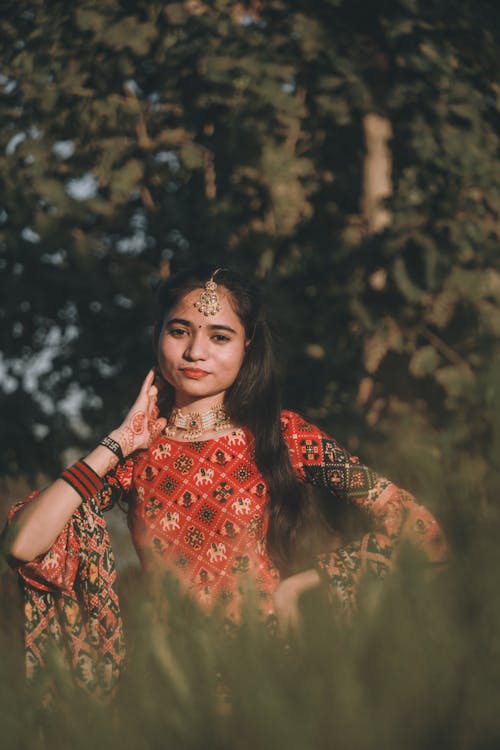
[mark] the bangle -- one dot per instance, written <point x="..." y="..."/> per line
<point x="113" y="446"/>
<point x="83" y="479"/>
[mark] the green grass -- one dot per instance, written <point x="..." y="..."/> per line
<point x="418" y="668"/>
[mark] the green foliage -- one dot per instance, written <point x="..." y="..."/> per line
<point x="135" y="134"/>
<point x="417" y="668"/>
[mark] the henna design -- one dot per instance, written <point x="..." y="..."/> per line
<point x="126" y="439"/>
<point x="141" y="427"/>
<point x="137" y="422"/>
<point x="155" y="429"/>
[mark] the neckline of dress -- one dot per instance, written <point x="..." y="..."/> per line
<point x="206" y="440"/>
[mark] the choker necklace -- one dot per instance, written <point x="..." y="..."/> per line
<point x="195" y="424"/>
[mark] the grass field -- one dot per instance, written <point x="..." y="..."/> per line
<point x="418" y="668"/>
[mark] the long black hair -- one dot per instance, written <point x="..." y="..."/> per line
<point x="253" y="401"/>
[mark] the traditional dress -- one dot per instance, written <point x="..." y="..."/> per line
<point x="71" y="608"/>
<point x="199" y="509"/>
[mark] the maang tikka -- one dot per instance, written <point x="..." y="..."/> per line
<point x="208" y="302"/>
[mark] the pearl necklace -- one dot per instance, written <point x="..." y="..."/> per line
<point x="195" y="424"/>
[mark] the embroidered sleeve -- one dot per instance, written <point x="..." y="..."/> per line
<point x="71" y="607"/>
<point x="57" y="568"/>
<point x="116" y="483"/>
<point x="361" y="560"/>
<point x="394" y="513"/>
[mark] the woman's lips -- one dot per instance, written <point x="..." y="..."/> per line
<point x="194" y="374"/>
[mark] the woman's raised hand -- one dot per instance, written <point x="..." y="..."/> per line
<point x="40" y="521"/>
<point x="141" y="425"/>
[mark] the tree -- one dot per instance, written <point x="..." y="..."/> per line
<point x="148" y="132"/>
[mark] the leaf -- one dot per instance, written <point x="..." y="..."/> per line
<point x="124" y="180"/>
<point x="132" y="34"/>
<point x="441" y="308"/>
<point x="192" y="155"/>
<point x="335" y="106"/>
<point x="89" y="20"/>
<point x="388" y="337"/>
<point x="51" y="190"/>
<point x="176" y="13"/>
<point x="456" y="380"/>
<point x="405" y="284"/>
<point x="112" y="150"/>
<point x="424" y="361"/>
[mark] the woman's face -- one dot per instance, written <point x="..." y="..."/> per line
<point x="201" y="356"/>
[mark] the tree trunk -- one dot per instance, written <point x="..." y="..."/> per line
<point x="377" y="184"/>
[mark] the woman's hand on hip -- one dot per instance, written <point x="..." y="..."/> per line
<point x="286" y="598"/>
<point x="142" y="425"/>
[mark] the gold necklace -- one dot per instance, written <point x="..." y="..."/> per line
<point x="195" y="423"/>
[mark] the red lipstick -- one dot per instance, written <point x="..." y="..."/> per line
<point x="194" y="374"/>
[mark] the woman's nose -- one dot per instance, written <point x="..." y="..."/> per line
<point x="196" y="348"/>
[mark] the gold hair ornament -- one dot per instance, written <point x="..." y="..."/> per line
<point x="208" y="302"/>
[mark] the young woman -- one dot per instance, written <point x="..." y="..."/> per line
<point x="214" y="474"/>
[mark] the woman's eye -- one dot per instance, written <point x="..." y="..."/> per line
<point x="219" y="338"/>
<point x="177" y="332"/>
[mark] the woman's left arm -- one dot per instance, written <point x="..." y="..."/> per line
<point x="395" y="516"/>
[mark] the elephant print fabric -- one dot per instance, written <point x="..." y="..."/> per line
<point x="200" y="510"/>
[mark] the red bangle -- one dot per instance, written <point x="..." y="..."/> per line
<point x="83" y="479"/>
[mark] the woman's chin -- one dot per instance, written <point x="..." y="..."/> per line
<point x="202" y="399"/>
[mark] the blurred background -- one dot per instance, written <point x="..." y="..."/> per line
<point x="345" y="153"/>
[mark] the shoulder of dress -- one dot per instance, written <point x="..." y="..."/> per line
<point x="288" y="419"/>
<point x="287" y="416"/>
<point x="294" y="424"/>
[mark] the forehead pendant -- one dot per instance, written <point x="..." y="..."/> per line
<point x="208" y="302"/>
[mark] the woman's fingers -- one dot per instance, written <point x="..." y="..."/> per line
<point x="146" y="391"/>
<point x="158" y="426"/>
<point x="147" y="383"/>
<point x="153" y="410"/>
<point x="143" y="419"/>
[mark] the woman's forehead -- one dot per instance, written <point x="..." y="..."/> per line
<point x="186" y="310"/>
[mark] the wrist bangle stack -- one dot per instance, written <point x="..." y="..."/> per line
<point x="83" y="479"/>
<point x="113" y="446"/>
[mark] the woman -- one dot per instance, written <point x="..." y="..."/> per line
<point x="214" y="471"/>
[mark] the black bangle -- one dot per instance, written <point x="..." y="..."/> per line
<point x="113" y="446"/>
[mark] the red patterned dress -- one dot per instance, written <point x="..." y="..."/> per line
<point x="200" y="510"/>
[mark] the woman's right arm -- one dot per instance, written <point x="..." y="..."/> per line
<point x="36" y="526"/>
